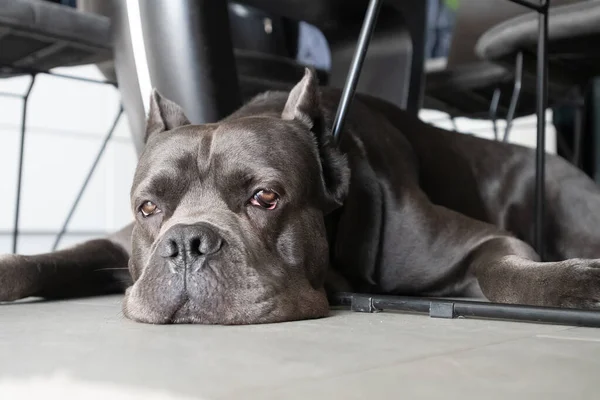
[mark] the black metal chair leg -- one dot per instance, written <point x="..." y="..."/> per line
<point x="542" y="7"/>
<point x="15" y="236"/>
<point x="542" y="105"/>
<point x="578" y="130"/>
<point x="494" y="111"/>
<point x="107" y="138"/>
<point x="362" y="46"/>
<point x="514" y="100"/>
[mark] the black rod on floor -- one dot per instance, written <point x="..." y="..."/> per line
<point x="442" y="308"/>
<point x="362" y="46"/>
<point x="15" y="236"/>
<point x="107" y="138"/>
<point x="541" y="105"/>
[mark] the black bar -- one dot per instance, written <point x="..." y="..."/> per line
<point x="542" y="104"/>
<point x="79" y="78"/>
<point x="514" y="100"/>
<point x="20" y="169"/>
<point x="15" y="95"/>
<point x="469" y="309"/>
<point x="107" y="138"/>
<point x="494" y="111"/>
<point x="414" y="15"/>
<point x="578" y="131"/>
<point x="364" y="38"/>
<point x="32" y="71"/>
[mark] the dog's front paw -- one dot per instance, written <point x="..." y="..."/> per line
<point x="16" y="280"/>
<point x="577" y="286"/>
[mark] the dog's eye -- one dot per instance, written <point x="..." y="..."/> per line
<point x="149" y="208"/>
<point x="265" y="198"/>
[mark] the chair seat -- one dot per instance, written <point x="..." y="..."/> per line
<point x="467" y="77"/>
<point x="572" y="31"/>
<point x="575" y="21"/>
<point x="38" y="35"/>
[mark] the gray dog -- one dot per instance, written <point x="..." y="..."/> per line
<point x="253" y="219"/>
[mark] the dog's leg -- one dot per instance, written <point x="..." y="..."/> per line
<point x="506" y="269"/>
<point x="507" y="272"/>
<point x="92" y="268"/>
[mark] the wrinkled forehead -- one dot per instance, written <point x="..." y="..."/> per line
<point x="262" y="142"/>
<point x="252" y="146"/>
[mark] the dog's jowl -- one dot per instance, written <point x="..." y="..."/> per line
<point x="253" y="219"/>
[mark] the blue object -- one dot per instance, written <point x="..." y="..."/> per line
<point x="440" y="24"/>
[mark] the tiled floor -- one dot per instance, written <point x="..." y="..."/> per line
<point x="78" y="349"/>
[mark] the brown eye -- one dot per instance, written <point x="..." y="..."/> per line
<point x="149" y="208"/>
<point x="265" y="198"/>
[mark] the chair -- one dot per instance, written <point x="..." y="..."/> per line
<point x="474" y="88"/>
<point x="37" y="36"/>
<point x="573" y="61"/>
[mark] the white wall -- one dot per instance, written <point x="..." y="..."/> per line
<point x="66" y="123"/>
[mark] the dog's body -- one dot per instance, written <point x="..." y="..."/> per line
<point x="244" y="221"/>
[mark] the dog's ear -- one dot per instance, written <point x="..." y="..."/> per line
<point x="163" y="115"/>
<point x="304" y="105"/>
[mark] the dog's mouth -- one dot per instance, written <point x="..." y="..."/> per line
<point x="237" y="304"/>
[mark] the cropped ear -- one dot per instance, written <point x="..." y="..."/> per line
<point x="163" y="115"/>
<point x="304" y="105"/>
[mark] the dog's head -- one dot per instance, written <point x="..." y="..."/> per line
<point x="230" y="216"/>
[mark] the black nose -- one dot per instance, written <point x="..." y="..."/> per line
<point x="188" y="243"/>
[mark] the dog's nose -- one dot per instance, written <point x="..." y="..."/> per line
<point x="189" y="242"/>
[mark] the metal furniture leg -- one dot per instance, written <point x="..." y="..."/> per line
<point x="578" y="125"/>
<point x="542" y="105"/>
<point x="416" y="12"/>
<point x="542" y="7"/>
<point x="494" y="111"/>
<point x="189" y="54"/>
<point x="15" y="236"/>
<point x="578" y="131"/>
<point x="107" y="138"/>
<point x="362" y="46"/>
<point x="514" y="100"/>
<point x="181" y="47"/>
